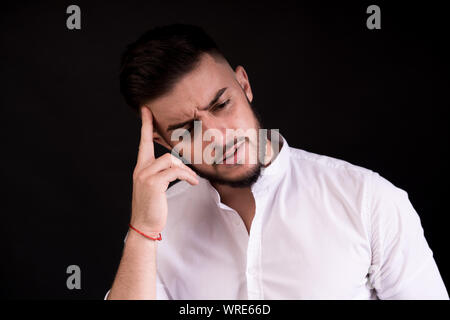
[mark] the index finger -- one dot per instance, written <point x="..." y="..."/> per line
<point x="146" y="148"/>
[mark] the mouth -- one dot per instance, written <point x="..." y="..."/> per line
<point x="232" y="152"/>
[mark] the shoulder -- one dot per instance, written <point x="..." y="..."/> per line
<point x="316" y="165"/>
<point x="340" y="172"/>
<point x="324" y="161"/>
<point x="340" y="182"/>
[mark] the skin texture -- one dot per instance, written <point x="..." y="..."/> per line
<point x="186" y="101"/>
<point x="136" y="276"/>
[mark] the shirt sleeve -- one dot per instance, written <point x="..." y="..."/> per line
<point x="403" y="266"/>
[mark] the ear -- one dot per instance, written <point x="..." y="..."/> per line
<point x="242" y="78"/>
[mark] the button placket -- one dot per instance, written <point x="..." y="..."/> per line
<point x="253" y="272"/>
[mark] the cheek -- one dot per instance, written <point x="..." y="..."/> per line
<point x="242" y="117"/>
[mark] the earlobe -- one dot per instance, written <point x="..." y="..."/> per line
<point x="243" y="81"/>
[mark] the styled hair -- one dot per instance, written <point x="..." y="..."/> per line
<point x="151" y="65"/>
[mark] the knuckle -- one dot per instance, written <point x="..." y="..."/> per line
<point x="167" y="156"/>
<point x="149" y="182"/>
<point x="175" y="161"/>
<point x="140" y="178"/>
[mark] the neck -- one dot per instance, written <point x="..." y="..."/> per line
<point x="242" y="199"/>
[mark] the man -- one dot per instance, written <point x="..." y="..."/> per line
<point x="293" y="225"/>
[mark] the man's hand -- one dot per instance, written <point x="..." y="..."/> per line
<point x="151" y="178"/>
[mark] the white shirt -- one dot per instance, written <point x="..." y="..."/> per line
<point x="323" y="229"/>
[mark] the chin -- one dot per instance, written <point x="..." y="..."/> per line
<point x="234" y="170"/>
<point x="239" y="176"/>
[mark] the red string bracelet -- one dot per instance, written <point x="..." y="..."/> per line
<point x="141" y="233"/>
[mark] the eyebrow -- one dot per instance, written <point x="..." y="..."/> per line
<point x="211" y="104"/>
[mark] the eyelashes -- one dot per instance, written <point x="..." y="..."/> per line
<point x="216" y="108"/>
<point x="222" y="105"/>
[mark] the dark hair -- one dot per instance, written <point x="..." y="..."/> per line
<point x="151" y="65"/>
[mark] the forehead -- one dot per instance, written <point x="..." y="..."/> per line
<point x="194" y="90"/>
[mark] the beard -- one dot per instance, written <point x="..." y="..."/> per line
<point x="247" y="180"/>
<point x="251" y="175"/>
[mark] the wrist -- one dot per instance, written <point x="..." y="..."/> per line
<point x="151" y="235"/>
<point x="137" y="243"/>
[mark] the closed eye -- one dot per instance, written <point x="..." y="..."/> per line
<point x="222" y="105"/>
<point x="190" y="126"/>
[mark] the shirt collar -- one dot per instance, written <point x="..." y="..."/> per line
<point x="273" y="173"/>
<point x="269" y="178"/>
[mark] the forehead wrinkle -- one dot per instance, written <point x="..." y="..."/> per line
<point x="181" y="117"/>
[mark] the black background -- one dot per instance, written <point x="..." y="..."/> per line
<point x="376" y="98"/>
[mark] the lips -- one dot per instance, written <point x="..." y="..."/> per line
<point x="232" y="150"/>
